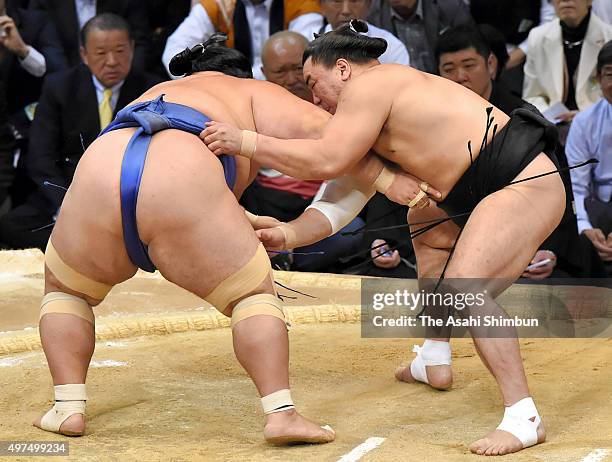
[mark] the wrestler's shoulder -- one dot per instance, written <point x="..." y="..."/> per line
<point x="385" y="75"/>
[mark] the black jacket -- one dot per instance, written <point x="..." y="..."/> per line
<point x="438" y="15"/>
<point x="64" y="15"/>
<point x="67" y="121"/>
<point x="22" y="88"/>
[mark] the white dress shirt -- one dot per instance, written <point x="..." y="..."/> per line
<point x="396" y="52"/>
<point x="34" y="63"/>
<point x="197" y="28"/>
<point x="85" y="10"/>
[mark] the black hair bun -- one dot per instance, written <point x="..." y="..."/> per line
<point x="181" y="63"/>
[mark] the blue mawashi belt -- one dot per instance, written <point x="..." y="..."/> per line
<point x="151" y="117"/>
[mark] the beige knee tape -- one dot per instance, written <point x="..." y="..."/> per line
<point x="248" y="144"/>
<point x="71" y="278"/>
<point x="255" y="305"/>
<point x="278" y="401"/>
<point x="69" y="400"/>
<point x="242" y="282"/>
<point x="58" y="302"/>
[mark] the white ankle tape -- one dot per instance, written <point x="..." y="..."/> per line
<point x="432" y="353"/>
<point x="69" y="400"/>
<point x="522" y="420"/>
<point x="436" y="353"/>
<point x="277" y="402"/>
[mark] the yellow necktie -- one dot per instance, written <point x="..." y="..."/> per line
<point x="106" y="112"/>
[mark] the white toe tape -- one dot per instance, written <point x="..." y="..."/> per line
<point x="432" y="353"/>
<point x="278" y="401"/>
<point x="517" y="421"/>
<point x="69" y="400"/>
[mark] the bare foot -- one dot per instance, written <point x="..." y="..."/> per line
<point x="72" y="426"/>
<point x="289" y="427"/>
<point x="500" y="442"/>
<point x="439" y="377"/>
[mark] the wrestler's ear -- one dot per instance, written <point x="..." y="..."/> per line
<point x="344" y="68"/>
<point x="492" y="66"/>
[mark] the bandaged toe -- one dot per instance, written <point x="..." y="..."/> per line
<point x="521" y="420"/>
<point x="69" y="400"/>
<point x="432" y="353"/>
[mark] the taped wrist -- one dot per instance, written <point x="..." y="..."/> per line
<point x="278" y="401"/>
<point x="69" y="400"/>
<point x="290" y="235"/>
<point x="383" y="181"/>
<point x="248" y="144"/>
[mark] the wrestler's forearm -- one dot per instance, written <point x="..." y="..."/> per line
<point x="303" y="159"/>
<point x="367" y="169"/>
<point x="310" y="227"/>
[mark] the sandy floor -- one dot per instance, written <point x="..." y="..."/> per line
<point x="184" y="396"/>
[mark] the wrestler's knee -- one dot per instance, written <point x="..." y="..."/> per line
<point x="252" y="285"/>
<point x="60" y="277"/>
<point x="63" y="303"/>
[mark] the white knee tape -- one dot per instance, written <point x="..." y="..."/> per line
<point x="522" y="420"/>
<point x="69" y="400"/>
<point x="432" y="353"/>
<point x="278" y="401"/>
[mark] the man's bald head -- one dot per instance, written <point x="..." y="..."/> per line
<point x="282" y="62"/>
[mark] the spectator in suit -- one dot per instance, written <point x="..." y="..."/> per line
<point x="70" y="16"/>
<point x="339" y="12"/>
<point x="513" y="18"/>
<point x="561" y="59"/>
<point x="6" y="154"/>
<point x="590" y="137"/>
<point x="418" y="23"/>
<point x="164" y="17"/>
<point x="281" y="196"/>
<point x="464" y="56"/>
<point x="74" y="106"/>
<point x="248" y="24"/>
<point x="29" y="49"/>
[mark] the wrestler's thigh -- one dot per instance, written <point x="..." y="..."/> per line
<point x="87" y="234"/>
<point x="433" y="246"/>
<point x="506" y="228"/>
<point x="197" y="234"/>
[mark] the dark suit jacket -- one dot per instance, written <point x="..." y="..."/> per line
<point x="438" y="15"/>
<point x="513" y="18"/>
<point x="66" y="123"/>
<point x="22" y="88"/>
<point x="64" y="15"/>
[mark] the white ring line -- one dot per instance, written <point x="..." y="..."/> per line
<point x="361" y="450"/>
<point x="597" y="455"/>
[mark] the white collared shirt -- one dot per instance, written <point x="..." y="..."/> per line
<point x="34" y="63"/>
<point x="100" y="92"/>
<point x="197" y="28"/>
<point x="396" y="51"/>
<point x="85" y="10"/>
